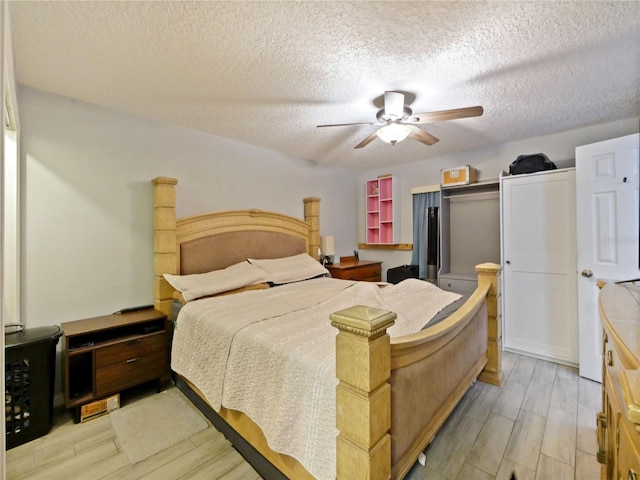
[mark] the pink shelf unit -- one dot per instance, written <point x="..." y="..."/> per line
<point x="382" y="210"/>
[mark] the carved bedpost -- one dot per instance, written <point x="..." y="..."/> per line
<point x="363" y="396"/>
<point x="312" y="215"/>
<point x="165" y="259"/>
<point x="490" y="273"/>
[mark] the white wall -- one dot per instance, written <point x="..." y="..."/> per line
<point x="490" y="162"/>
<point x="86" y="239"/>
<point x="87" y="200"/>
<point x="3" y="26"/>
<point x="87" y="231"/>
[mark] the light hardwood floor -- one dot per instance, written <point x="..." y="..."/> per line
<point x="540" y="424"/>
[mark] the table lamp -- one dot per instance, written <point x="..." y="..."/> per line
<point x="327" y="249"/>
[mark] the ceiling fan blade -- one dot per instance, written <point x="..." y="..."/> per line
<point x="421" y="135"/>
<point x="394" y="104"/>
<point x="367" y="140"/>
<point x="443" y="115"/>
<point x="349" y="124"/>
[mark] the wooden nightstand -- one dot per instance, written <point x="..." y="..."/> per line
<point x="363" y="270"/>
<point x="105" y="355"/>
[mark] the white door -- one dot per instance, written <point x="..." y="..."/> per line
<point x="607" y="221"/>
<point x="539" y="277"/>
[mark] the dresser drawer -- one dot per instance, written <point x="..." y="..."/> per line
<point x="628" y="464"/>
<point x="457" y="285"/>
<point x="131" y="371"/>
<point x="128" y="349"/>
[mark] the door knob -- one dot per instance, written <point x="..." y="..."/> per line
<point x="587" y="273"/>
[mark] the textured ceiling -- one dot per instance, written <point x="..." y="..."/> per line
<point x="266" y="73"/>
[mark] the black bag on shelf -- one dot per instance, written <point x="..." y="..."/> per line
<point x="536" y="162"/>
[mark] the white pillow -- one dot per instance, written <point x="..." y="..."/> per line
<point x="291" y="269"/>
<point x="205" y="284"/>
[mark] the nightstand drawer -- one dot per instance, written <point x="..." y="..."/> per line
<point x="136" y="347"/>
<point x="130" y="371"/>
<point x="369" y="273"/>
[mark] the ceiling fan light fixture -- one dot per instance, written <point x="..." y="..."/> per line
<point x="393" y="133"/>
<point x="398" y="122"/>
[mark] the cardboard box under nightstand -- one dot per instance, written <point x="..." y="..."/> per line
<point x="99" y="407"/>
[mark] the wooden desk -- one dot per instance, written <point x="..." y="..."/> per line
<point x="363" y="270"/>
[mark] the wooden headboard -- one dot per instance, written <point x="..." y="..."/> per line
<point x="212" y="241"/>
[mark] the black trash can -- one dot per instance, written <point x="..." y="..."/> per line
<point x="30" y="359"/>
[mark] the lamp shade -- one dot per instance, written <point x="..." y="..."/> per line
<point x="326" y="245"/>
<point x="393" y="133"/>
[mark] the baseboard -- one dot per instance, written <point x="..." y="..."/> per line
<point x="548" y="358"/>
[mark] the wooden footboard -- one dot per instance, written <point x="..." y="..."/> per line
<point x="393" y="396"/>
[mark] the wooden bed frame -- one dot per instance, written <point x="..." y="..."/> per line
<point x="393" y="394"/>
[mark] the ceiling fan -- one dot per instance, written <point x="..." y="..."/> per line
<point x="398" y="121"/>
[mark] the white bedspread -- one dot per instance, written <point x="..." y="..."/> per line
<point x="271" y="354"/>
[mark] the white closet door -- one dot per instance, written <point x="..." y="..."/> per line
<point x="539" y="260"/>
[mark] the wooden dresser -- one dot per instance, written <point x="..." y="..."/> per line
<point x="363" y="270"/>
<point x="619" y="421"/>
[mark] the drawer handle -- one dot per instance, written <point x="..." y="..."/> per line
<point x="352" y="277"/>
<point x="376" y="272"/>
<point x="606" y="337"/>
<point x="134" y="359"/>
<point x="601" y="422"/>
<point x="609" y="358"/>
<point x="632" y="475"/>
<point x="134" y="341"/>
